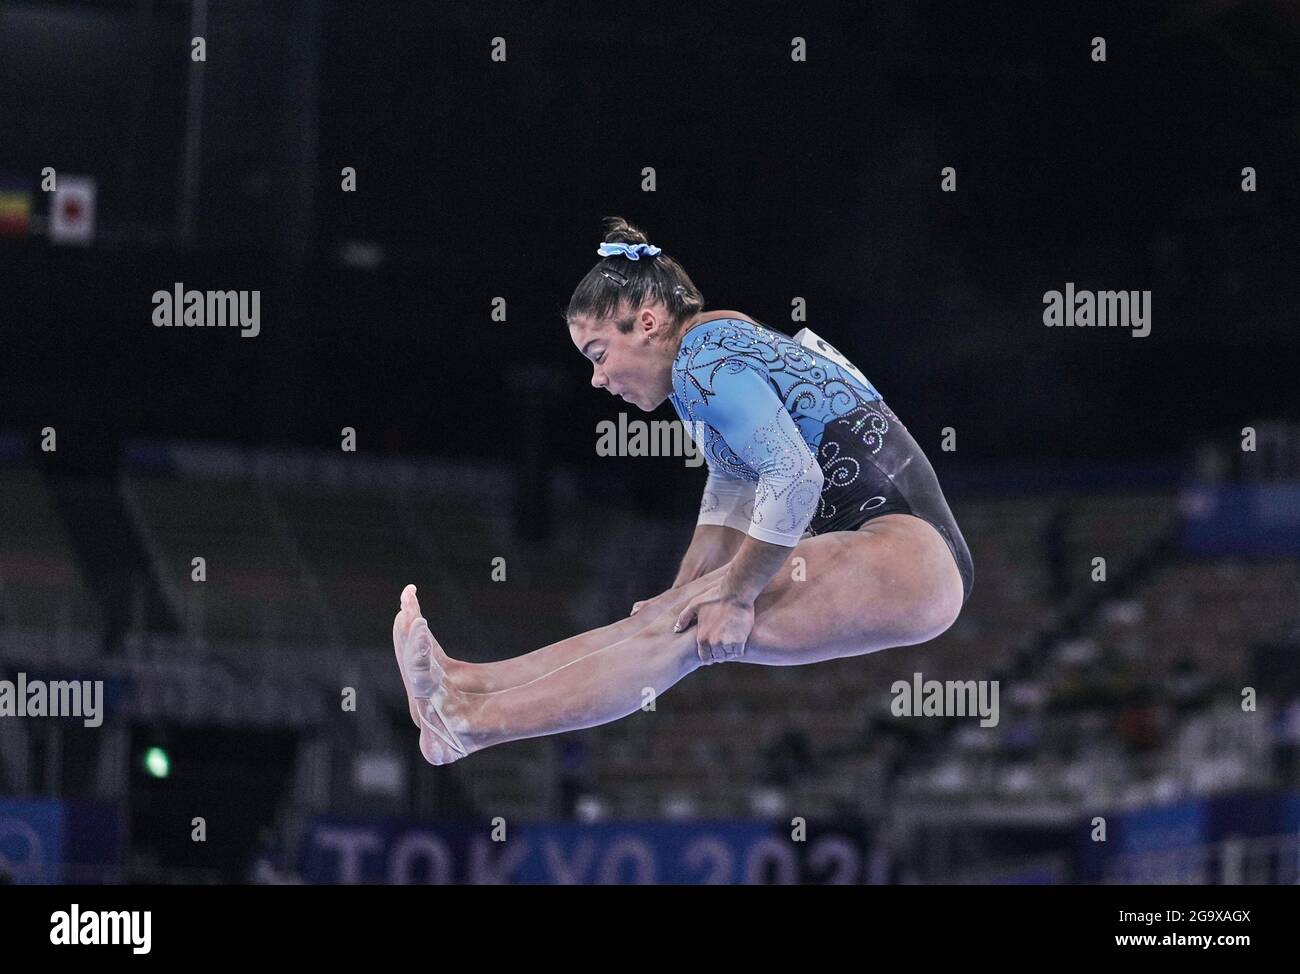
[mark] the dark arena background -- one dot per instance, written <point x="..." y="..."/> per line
<point x="215" y="523"/>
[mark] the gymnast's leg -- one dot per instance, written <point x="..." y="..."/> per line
<point x="490" y="677"/>
<point x="891" y="583"/>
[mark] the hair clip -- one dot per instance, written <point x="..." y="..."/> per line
<point x="614" y="276"/>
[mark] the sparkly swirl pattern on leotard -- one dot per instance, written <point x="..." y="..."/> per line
<point x="764" y="404"/>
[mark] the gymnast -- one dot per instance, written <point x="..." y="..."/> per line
<point x="822" y="530"/>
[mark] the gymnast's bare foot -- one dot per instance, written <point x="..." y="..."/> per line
<point x="431" y="698"/>
<point x="410" y="611"/>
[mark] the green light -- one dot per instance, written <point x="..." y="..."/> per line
<point x="157" y="763"/>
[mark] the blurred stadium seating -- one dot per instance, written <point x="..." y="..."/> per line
<point x="1124" y="694"/>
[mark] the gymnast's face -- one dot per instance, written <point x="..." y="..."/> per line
<point x="636" y="365"/>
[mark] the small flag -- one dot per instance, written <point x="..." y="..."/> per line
<point x="15" y="206"/>
<point x="72" y="211"/>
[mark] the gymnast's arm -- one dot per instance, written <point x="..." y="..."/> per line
<point x="726" y="509"/>
<point x="754" y="422"/>
<point x="712" y="546"/>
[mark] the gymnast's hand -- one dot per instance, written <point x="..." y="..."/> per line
<point x="724" y="625"/>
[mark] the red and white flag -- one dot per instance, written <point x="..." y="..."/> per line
<point x="72" y="211"/>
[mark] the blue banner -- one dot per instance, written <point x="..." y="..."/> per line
<point x="1184" y="825"/>
<point x="1241" y="519"/>
<point x="45" y="841"/>
<point x="403" y="852"/>
<point x="1162" y="828"/>
<point x="31" y="840"/>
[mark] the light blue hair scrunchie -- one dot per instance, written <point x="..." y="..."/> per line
<point x="630" y="251"/>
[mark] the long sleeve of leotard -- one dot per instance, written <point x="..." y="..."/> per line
<point x="753" y="421"/>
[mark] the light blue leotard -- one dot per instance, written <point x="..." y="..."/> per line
<point x="761" y="402"/>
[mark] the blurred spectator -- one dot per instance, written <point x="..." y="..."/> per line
<point x="1056" y="552"/>
<point x="1189" y="687"/>
<point x="1286" y="745"/>
<point x="789" y="757"/>
<point x="1141" y="723"/>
